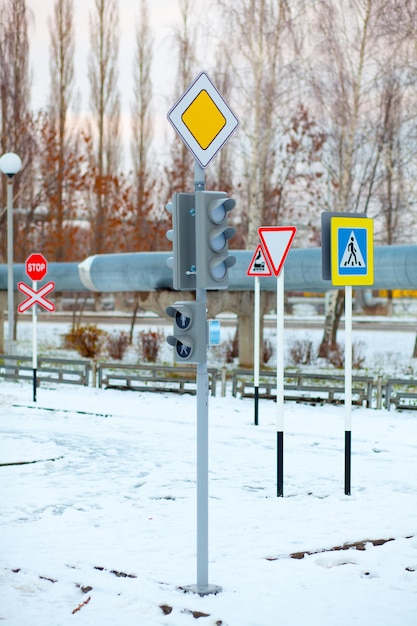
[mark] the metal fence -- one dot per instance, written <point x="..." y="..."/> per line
<point x="309" y="387"/>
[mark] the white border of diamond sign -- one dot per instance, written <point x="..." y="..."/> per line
<point x="202" y="82"/>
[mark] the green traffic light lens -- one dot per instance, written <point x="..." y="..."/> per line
<point x="218" y="271"/>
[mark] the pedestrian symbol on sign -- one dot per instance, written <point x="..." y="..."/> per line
<point x="352" y="245"/>
<point x="352" y="256"/>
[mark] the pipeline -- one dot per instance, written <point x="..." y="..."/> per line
<point x="395" y="268"/>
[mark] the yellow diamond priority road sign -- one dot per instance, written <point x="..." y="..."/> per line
<point x="203" y="120"/>
<point x="203" y="108"/>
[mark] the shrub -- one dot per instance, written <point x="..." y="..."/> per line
<point x="117" y="345"/>
<point x="87" y="340"/>
<point x="337" y="355"/>
<point x="267" y="351"/>
<point x="231" y="348"/>
<point x="358" y="358"/>
<point x="301" y="351"/>
<point x="149" y="344"/>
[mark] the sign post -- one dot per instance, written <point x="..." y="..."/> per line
<point x="256" y="345"/>
<point x="34" y="343"/>
<point x="352" y="264"/>
<point x="258" y="267"/>
<point x="348" y="387"/>
<point x="36" y="269"/>
<point x="205" y="122"/>
<point x="202" y="585"/>
<point x="276" y="242"/>
<point x="280" y="384"/>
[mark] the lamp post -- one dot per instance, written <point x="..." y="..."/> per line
<point x="10" y="164"/>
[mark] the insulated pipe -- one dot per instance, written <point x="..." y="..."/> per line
<point x="65" y="276"/>
<point x="395" y="268"/>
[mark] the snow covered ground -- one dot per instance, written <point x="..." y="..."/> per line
<point x="384" y="351"/>
<point x="101" y="529"/>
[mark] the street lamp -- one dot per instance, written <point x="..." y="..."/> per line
<point x="10" y="164"/>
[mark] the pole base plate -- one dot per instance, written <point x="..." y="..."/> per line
<point x="202" y="591"/>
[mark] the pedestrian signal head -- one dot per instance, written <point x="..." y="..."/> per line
<point x="189" y="338"/>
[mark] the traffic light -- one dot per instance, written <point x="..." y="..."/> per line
<point x="212" y="237"/>
<point x="190" y="336"/>
<point x="182" y="235"/>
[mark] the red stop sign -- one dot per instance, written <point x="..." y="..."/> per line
<point x="36" y="266"/>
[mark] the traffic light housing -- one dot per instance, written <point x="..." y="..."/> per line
<point x="190" y="336"/>
<point x="182" y="235"/>
<point x="212" y="239"/>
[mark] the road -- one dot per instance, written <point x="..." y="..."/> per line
<point x="365" y="323"/>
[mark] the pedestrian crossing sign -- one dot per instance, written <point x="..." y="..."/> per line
<point x="352" y="251"/>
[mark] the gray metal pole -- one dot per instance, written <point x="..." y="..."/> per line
<point x="202" y="467"/>
<point x="10" y="294"/>
<point x="202" y="438"/>
<point x="202" y="587"/>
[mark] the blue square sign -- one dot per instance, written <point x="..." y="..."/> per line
<point x="352" y="251"/>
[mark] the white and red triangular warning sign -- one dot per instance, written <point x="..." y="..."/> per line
<point x="276" y="243"/>
<point x="259" y="265"/>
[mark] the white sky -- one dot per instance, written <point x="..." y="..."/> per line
<point x="164" y="14"/>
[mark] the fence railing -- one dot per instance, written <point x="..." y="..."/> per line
<point x="304" y="387"/>
<point x="310" y="387"/>
<point x="401" y="392"/>
<point x="153" y="377"/>
<point x="49" y="369"/>
<point x="373" y="392"/>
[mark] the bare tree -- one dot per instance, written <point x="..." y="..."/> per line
<point x="223" y="170"/>
<point x="16" y="123"/>
<point x="61" y="176"/>
<point x="144" y="219"/>
<point x="220" y="174"/>
<point x="263" y="36"/>
<point x="180" y="172"/>
<point x="346" y="38"/>
<point x="14" y="74"/>
<point x="359" y="84"/>
<point x="395" y="192"/>
<point x="105" y="109"/>
<point x="345" y="91"/>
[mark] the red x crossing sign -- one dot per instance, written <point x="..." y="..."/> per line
<point x="36" y="297"/>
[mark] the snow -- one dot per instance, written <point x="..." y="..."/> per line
<point x="101" y="529"/>
<point x="385" y="352"/>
